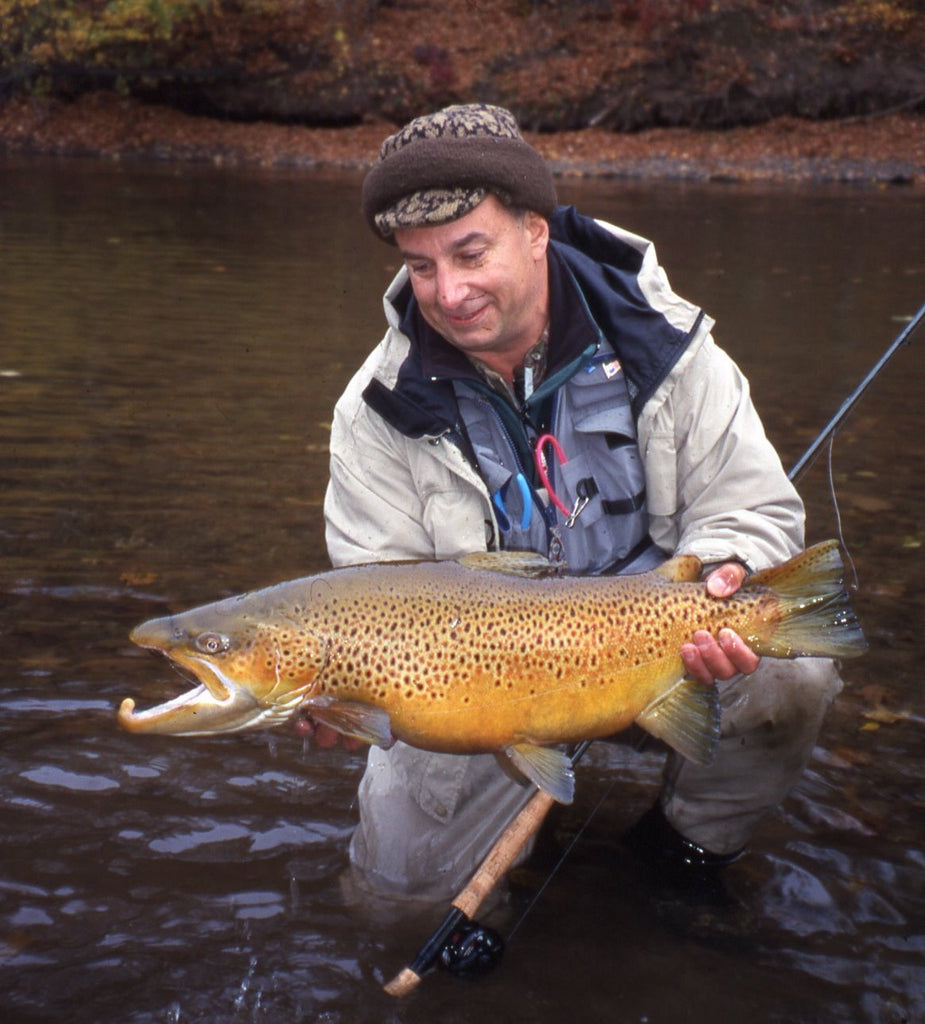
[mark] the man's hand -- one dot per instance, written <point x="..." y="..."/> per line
<point x="707" y="660"/>
<point x="323" y="736"/>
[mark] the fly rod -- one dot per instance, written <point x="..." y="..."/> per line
<point x="459" y="943"/>
<point x="852" y="400"/>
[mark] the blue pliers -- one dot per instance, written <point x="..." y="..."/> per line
<point x="526" y="498"/>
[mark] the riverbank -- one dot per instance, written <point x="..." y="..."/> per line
<point x="882" y="149"/>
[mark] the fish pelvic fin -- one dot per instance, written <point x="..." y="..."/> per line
<point x="687" y="719"/>
<point x="353" y="718"/>
<point x="527" y="564"/>
<point x="547" y="768"/>
<point x="816" y="618"/>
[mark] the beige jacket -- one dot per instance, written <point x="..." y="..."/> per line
<point x="715" y="485"/>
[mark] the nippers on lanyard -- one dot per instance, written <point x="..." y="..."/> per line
<point x="526" y="504"/>
<point x="571" y="514"/>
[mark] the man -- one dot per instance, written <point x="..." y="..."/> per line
<point x="513" y="319"/>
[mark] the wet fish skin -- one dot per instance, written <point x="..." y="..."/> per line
<point x="488" y="654"/>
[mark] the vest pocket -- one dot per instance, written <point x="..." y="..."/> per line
<point x="577" y="484"/>
<point x="597" y="431"/>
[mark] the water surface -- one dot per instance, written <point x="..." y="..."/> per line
<point x="172" y="341"/>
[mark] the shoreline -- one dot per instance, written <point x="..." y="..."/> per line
<point x="887" y="149"/>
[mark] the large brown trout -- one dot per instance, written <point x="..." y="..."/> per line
<point x="493" y="653"/>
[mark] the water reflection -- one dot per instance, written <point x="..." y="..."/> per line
<point x="171" y="344"/>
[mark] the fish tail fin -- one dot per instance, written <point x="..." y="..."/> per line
<point x="816" y="618"/>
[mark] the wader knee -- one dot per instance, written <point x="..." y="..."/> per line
<point x="428" y="820"/>
<point x="770" y="721"/>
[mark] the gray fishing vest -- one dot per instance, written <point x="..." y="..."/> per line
<point x="601" y="479"/>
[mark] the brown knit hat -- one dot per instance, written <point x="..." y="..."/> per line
<point x="440" y="166"/>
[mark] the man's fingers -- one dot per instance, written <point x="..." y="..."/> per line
<point x="694" y="665"/>
<point x="323" y="736"/>
<point x="725" y="580"/>
<point x="740" y="655"/>
<point x="706" y="659"/>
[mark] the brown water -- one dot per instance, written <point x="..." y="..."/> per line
<point x="171" y="344"/>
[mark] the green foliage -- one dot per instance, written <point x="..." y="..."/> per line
<point x="41" y="38"/>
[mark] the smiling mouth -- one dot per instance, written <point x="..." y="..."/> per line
<point x="464" y="319"/>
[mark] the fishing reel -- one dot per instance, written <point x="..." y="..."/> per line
<point x="471" y="951"/>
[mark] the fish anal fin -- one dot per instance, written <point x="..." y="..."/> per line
<point x="547" y="768"/>
<point x="352" y="718"/>
<point x="680" y="569"/>
<point x="507" y="766"/>
<point x="687" y="719"/>
<point x="513" y="563"/>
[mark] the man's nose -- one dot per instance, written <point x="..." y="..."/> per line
<point x="451" y="286"/>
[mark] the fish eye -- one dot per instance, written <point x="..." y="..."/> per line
<point x="212" y="643"/>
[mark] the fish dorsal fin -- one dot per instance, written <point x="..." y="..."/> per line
<point x="352" y="718"/>
<point x="513" y="563"/>
<point x="687" y="719"/>
<point x="680" y="569"/>
<point x="547" y="768"/>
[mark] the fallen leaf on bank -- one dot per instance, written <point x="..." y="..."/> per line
<point x="875" y="694"/>
<point x="883" y="716"/>
<point x="871" y="503"/>
<point x="138" y="579"/>
<point x="844" y="757"/>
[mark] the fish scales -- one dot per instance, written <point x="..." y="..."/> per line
<point x="450" y="669"/>
<point x="476" y="656"/>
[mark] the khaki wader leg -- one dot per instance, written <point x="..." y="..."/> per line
<point x="770" y="722"/>
<point x="428" y="820"/>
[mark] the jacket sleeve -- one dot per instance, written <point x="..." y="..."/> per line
<point x="391" y="497"/>
<point x="716" y="485"/>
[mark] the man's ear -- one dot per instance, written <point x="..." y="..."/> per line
<point x="537" y="228"/>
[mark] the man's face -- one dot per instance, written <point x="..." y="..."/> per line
<point x="481" y="280"/>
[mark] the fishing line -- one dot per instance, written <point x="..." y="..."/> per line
<point x="564" y="856"/>
<point x="637" y="747"/>
<point x="855" y="583"/>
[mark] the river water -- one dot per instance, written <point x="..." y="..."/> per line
<point x="172" y="340"/>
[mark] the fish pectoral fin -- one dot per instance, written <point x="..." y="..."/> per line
<point x="680" y="569"/>
<point x="352" y="718"/>
<point x="687" y="719"/>
<point x="547" y="768"/>
<point x="512" y="563"/>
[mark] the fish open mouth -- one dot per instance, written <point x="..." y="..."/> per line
<point x="197" y="712"/>
<point x="215" y="704"/>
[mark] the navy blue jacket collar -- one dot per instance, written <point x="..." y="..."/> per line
<point x="594" y="292"/>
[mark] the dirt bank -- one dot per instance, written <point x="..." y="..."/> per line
<point x="827" y="90"/>
<point x="882" y="149"/>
